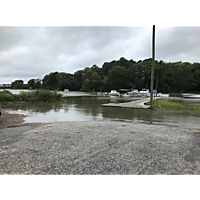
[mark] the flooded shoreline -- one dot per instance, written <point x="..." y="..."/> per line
<point x="85" y="107"/>
<point x="89" y="109"/>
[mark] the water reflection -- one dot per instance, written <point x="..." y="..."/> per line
<point x="132" y="114"/>
<point x="88" y="105"/>
<point x="92" y="105"/>
<point x="36" y="107"/>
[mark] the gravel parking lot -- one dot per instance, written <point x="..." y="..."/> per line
<point x="99" y="148"/>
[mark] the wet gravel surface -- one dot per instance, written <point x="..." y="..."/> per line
<point x="99" y="148"/>
<point x="8" y="120"/>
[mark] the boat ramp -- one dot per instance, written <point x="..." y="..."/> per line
<point x="139" y="104"/>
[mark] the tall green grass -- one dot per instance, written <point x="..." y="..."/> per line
<point x="30" y="96"/>
<point x="176" y="106"/>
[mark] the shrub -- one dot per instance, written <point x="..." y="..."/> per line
<point x="7" y="96"/>
<point x="31" y="96"/>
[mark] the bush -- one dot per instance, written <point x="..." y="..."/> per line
<point x="7" y="96"/>
<point x="31" y="96"/>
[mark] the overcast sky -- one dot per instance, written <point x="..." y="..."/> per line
<point x="32" y="52"/>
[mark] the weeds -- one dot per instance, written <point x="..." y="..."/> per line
<point x="177" y="105"/>
<point x="32" y="96"/>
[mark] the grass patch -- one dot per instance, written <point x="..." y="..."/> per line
<point x="30" y="96"/>
<point x="174" y="105"/>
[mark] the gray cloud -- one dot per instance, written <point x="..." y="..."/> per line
<point x="179" y="43"/>
<point x="32" y="52"/>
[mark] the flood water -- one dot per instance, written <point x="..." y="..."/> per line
<point x="85" y="107"/>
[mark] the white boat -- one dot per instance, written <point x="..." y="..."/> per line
<point x="160" y="95"/>
<point x="114" y="93"/>
<point x="133" y="92"/>
<point x="145" y="93"/>
<point x="195" y="96"/>
<point x="66" y="90"/>
<point x="102" y="93"/>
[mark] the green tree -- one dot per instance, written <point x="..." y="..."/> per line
<point x="86" y="76"/>
<point x="195" y="74"/>
<point x="38" y="83"/>
<point x="50" y="81"/>
<point x="17" y="84"/>
<point x="95" y="81"/>
<point x="105" y="83"/>
<point x="34" y="83"/>
<point x="107" y="66"/>
<point x="31" y="83"/>
<point x="118" y="78"/>
<point x="86" y="86"/>
<point x="139" y="75"/>
<point x="78" y="76"/>
<point x="62" y="79"/>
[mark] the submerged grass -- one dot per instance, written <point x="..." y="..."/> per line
<point x="30" y="96"/>
<point x="174" y="105"/>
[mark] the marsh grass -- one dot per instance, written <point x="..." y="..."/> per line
<point x="175" y="105"/>
<point x="30" y="96"/>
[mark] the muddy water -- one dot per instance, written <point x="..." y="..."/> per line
<point x="87" y="108"/>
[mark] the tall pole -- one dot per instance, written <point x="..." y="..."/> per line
<point x="152" y="69"/>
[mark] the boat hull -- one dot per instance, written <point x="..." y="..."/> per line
<point x="193" y="96"/>
<point x="114" y="94"/>
<point x="159" y="95"/>
<point x="146" y="93"/>
<point x="154" y="95"/>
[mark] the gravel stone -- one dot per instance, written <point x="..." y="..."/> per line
<point x="99" y="148"/>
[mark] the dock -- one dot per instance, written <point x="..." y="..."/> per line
<point x="139" y="104"/>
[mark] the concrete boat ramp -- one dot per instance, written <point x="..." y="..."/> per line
<point x="139" y="104"/>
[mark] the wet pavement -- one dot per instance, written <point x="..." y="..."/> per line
<point x="138" y="104"/>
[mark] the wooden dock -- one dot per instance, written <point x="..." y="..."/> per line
<point x="139" y="104"/>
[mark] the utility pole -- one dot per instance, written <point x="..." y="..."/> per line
<point x="152" y="69"/>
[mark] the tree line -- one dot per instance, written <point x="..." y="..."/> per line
<point x="176" y="77"/>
